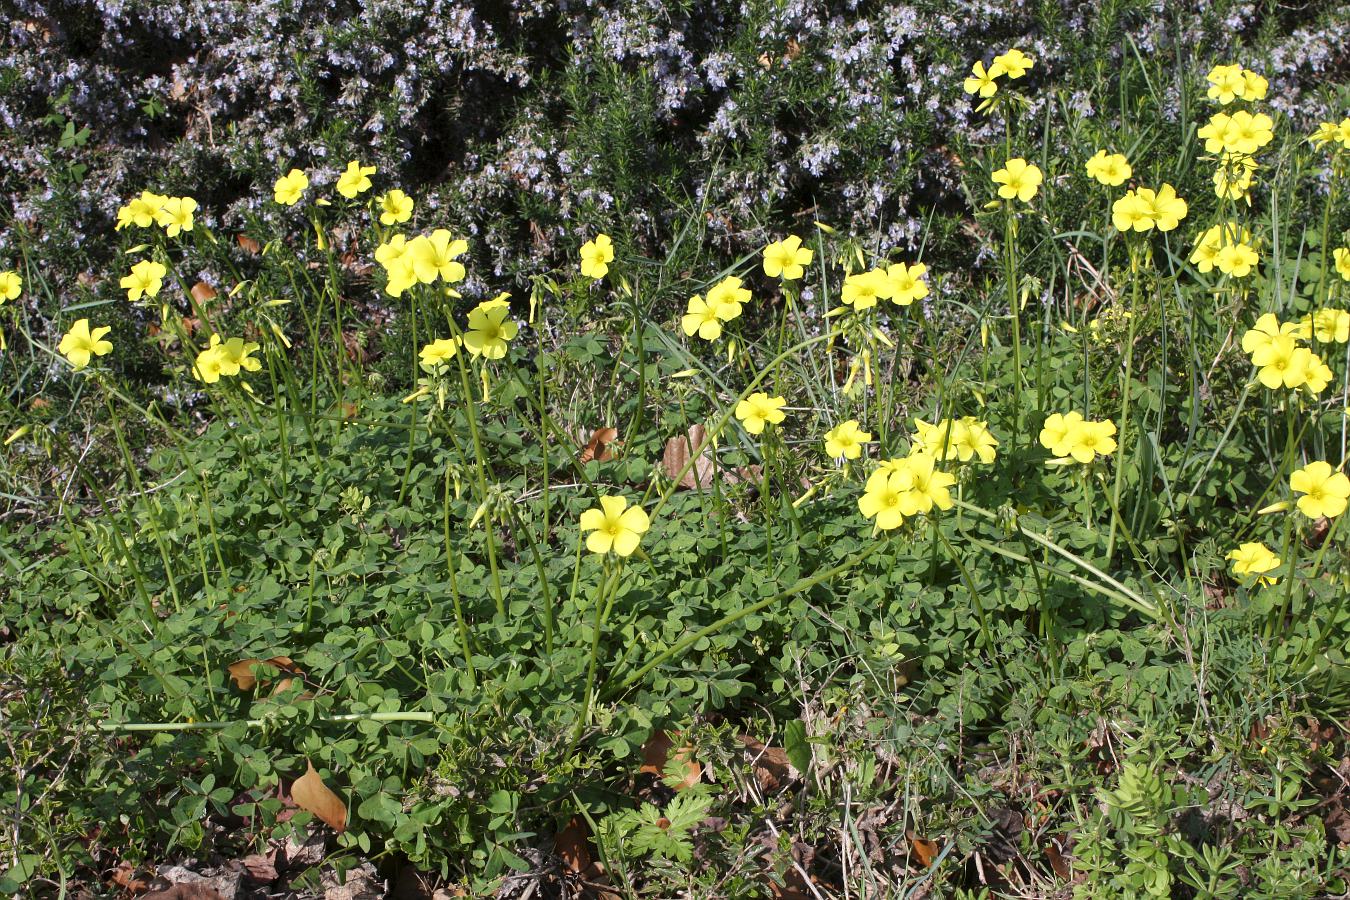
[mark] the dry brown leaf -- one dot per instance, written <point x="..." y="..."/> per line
<point x="40" y="403"/>
<point x="656" y="753"/>
<point x="772" y="769"/>
<point x="242" y="671"/>
<point x="125" y="877"/>
<point x="597" y="447"/>
<point x="676" y="457"/>
<point x="924" y="850"/>
<point x="312" y="795"/>
<point x="1055" y="856"/>
<point x="248" y="244"/>
<point x="572" y="844"/>
<point x="203" y="292"/>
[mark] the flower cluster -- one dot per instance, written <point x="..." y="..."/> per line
<point x="1274" y="349"/>
<point x="961" y="439"/>
<point x="173" y="214"/>
<point x="900" y="283"/>
<point x="421" y="260"/>
<point x="1226" y="247"/>
<point x="1143" y="209"/>
<point x="225" y="359"/>
<point x="984" y="81"/>
<point x="905" y="486"/>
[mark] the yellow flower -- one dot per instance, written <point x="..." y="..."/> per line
<point x="758" y="410"/>
<point x="1058" y="432"/>
<point x="1145" y="208"/>
<point x="1254" y="86"/>
<point x="972" y="438"/>
<point x="596" y="255"/>
<point x="1241" y="132"/>
<point x="210" y="363"/>
<point x="1279" y="362"/>
<point x="145" y="279"/>
<point x="175" y="215"/>
<point x="396" y="207"/>
<point x="1341" y="255"/>
<point x="727" y="296"/>
<point x="289" y="188"/>
<point x="354" y="181"/>
<point x="1018" y="178"/>
<point x="488" y="332"/>
<point x="1323" y="488"/>
<point x="1111" y="169"/>
<point x="11" y="285"/>
<point x="1316" y="374"/>
<point x="846" y="439"/>
<point x="1343" y="133"/>
<point x="981" y="81"/>
<point x="701" y="318"/>
<point x="883" y="497"/>
<point x="1326" y="133"/>
<point x="907" y="284"/>
<point x="1168" y="208"/>
<point x="1090" y="439"/>
<point x="1330" y="326"/>
<point x="80" y="344"/>
<point x="1208" y="245"/>
<point x="1264" y="332"/>
<point x="235" y="355"/>
<point x="862" y="290"/>
<point x="436" y="256"/>
<point x="1014" y="62"/>
<point x="438" y="353"/>
<point x="928" y="485"/>
<point x="614" y="525"/>
<point x="1226" y="84"/>
<point x="1254" y="558"/>
<point x="786" y="258"/>
<point x="1236" y="260"/>
<point x="398" y="265"/>
<point x="1132" y="212"/>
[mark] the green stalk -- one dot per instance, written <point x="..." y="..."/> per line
<point x="454" y="585"/>
<point x="606" y="589"/>
<point x="1124" y="400"/>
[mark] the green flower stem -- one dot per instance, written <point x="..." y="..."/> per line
<point x="606" y="590"/>
<point x="798" y="587"/>
<point x="262" y="723"/>
<point x="1124" y="400"/>
<point x="1289" y="555"/>
<point x="1126" y="596"/>
<point x="133" y="472"/>
<point x="452" y="569"/>
<point x="471" y="414"/>
<point x="1010" y="254"/>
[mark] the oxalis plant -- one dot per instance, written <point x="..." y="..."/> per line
<point x="420" y="616"/>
